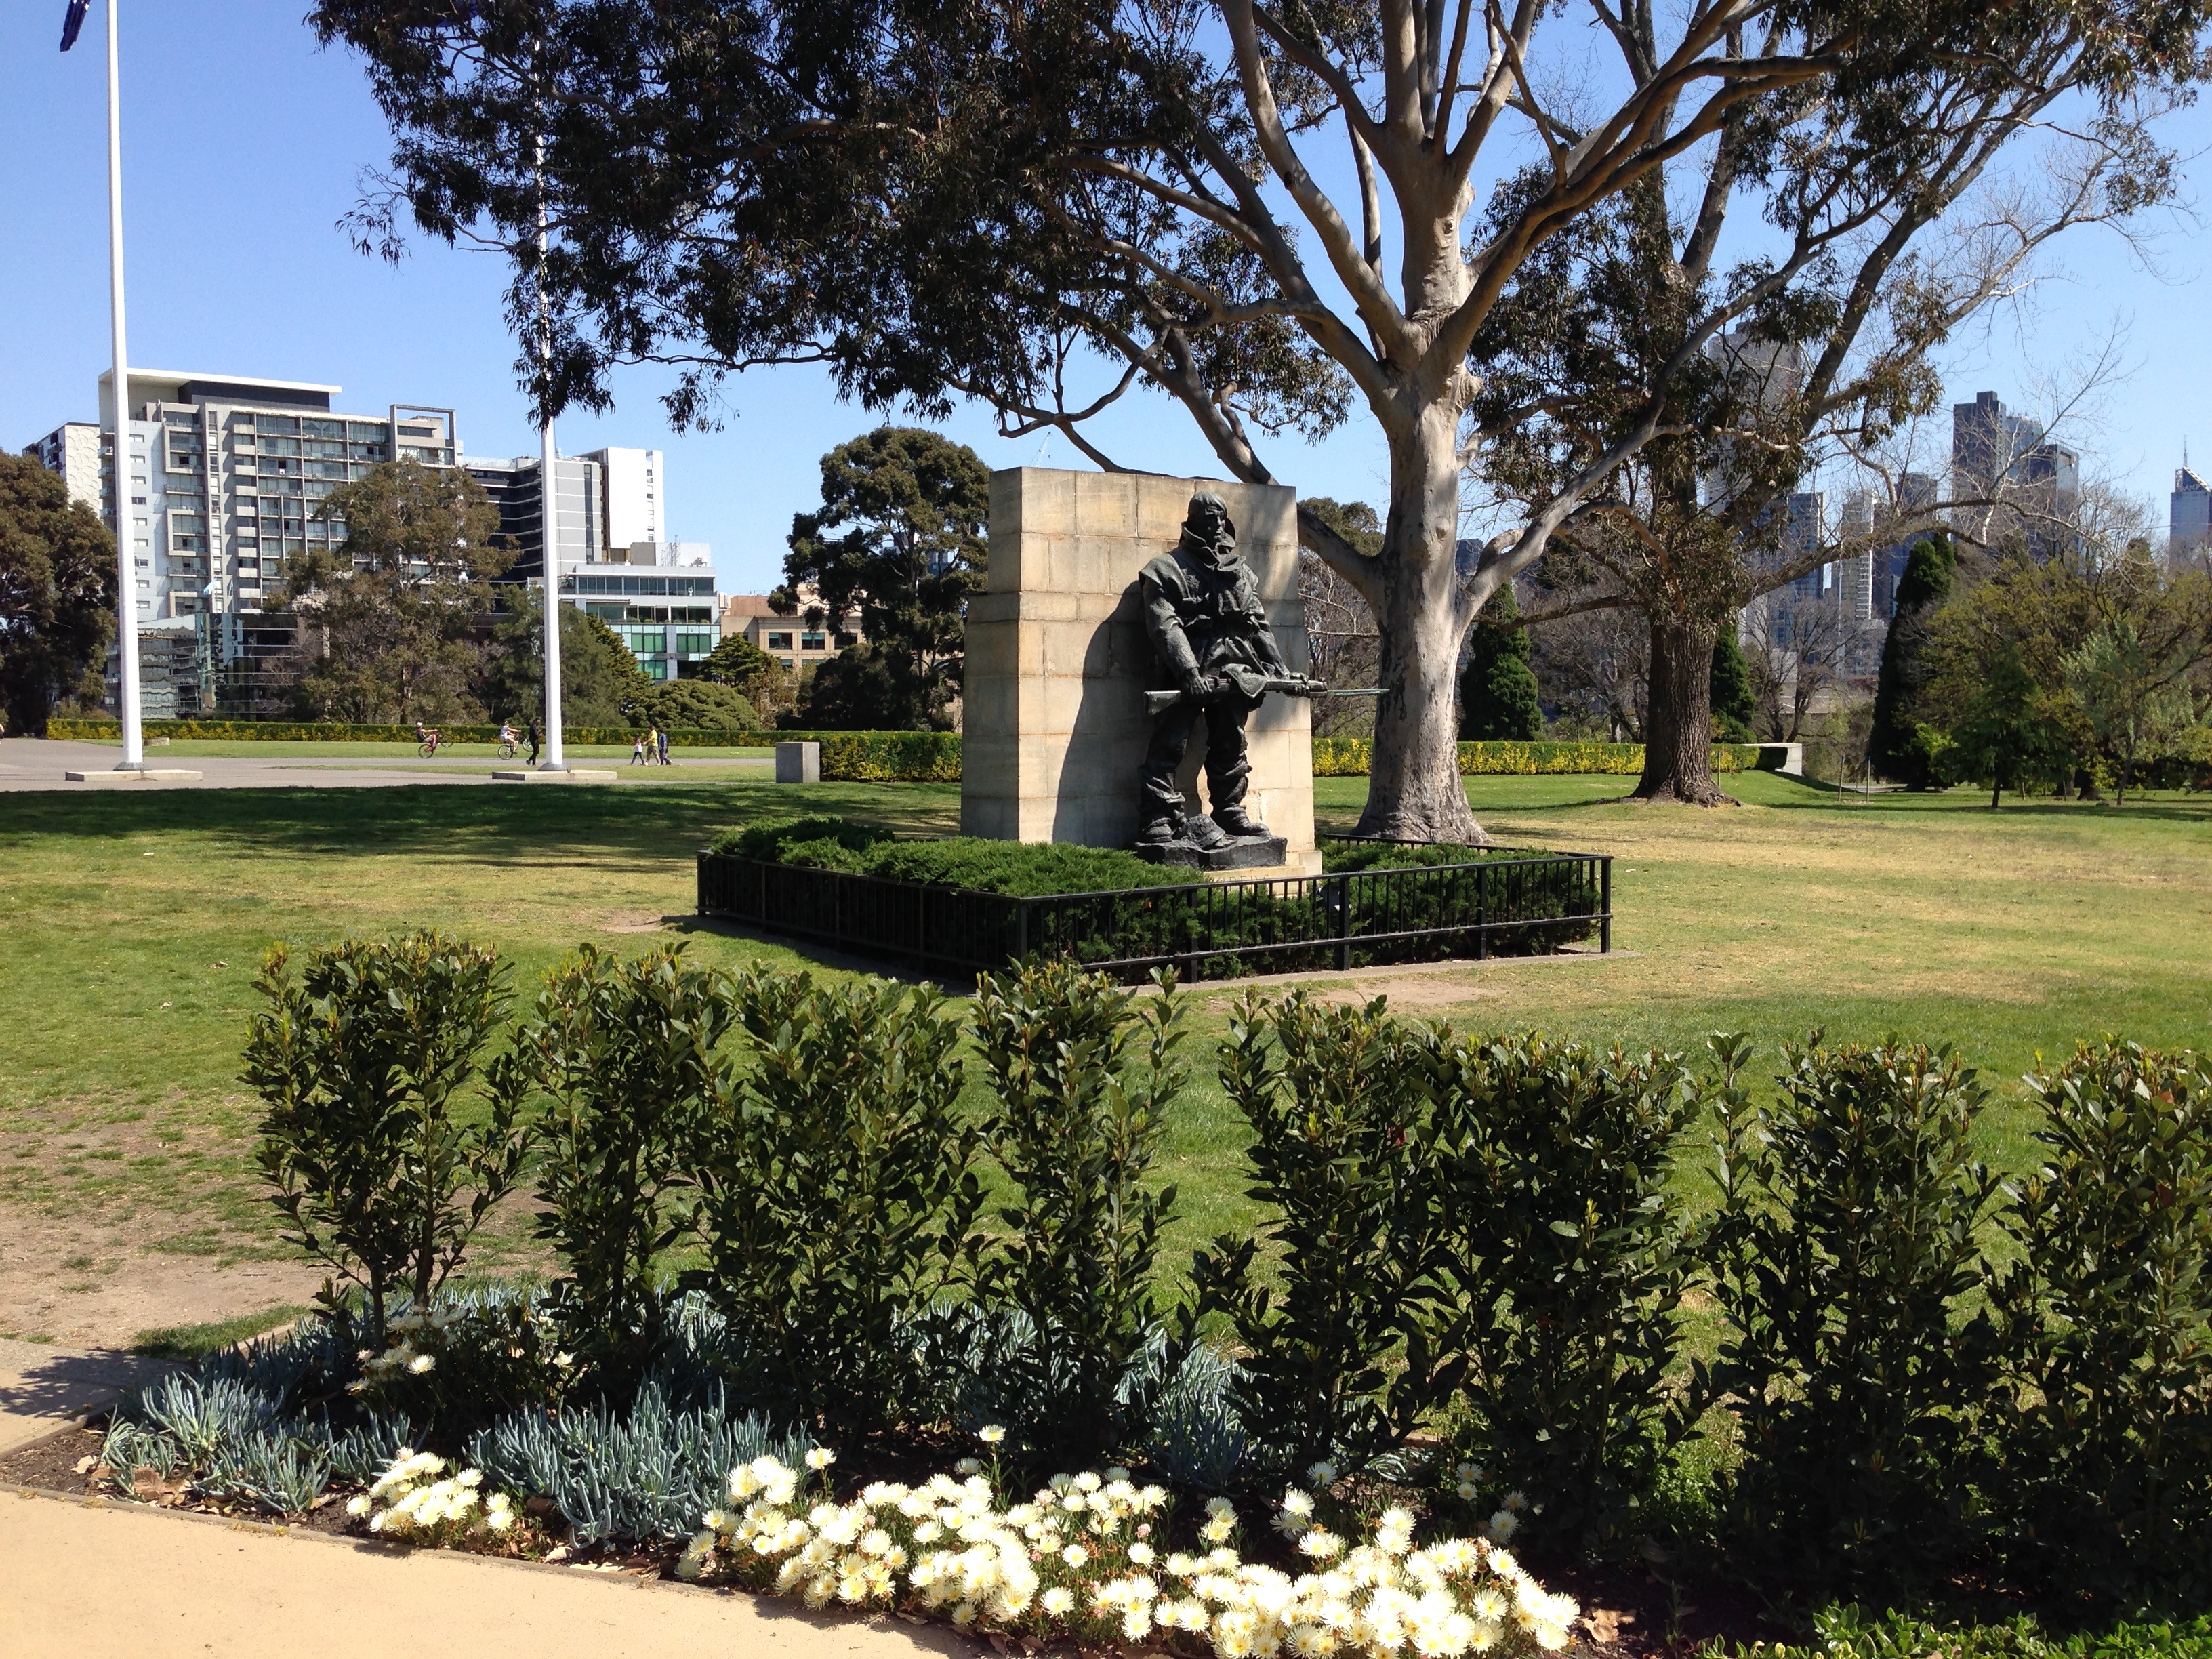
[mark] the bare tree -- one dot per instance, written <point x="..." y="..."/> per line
<point x="1343" y="646"/>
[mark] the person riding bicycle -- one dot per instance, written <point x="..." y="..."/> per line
<point x="506" y="732"/>
<point x="429" y="736"/>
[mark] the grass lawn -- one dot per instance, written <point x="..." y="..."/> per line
<point x="130" y="927"/>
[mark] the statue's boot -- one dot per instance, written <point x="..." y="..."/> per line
<point x="1238" y="825"/>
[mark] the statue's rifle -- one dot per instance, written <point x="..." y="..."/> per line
<point x="1250" y="685"/>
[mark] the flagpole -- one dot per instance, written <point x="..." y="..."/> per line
<point x="126" y="585"/>
<point x="549" y="495"/>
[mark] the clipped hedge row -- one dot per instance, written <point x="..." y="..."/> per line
<point x="884" y="756"/>
<point x="1348" y="758"/>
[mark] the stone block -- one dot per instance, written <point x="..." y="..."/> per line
<point x="799" y="763"/>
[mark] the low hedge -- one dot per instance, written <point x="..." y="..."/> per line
<point x="1348" y="758"/>
<point x="1020" y="869"/>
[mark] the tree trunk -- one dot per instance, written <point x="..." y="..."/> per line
<point x="1678" y="721"/>
<point x="1413" y="788"/>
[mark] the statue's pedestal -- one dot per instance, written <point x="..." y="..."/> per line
<point x="1260" y="852"/>
<point x="1052" y="700"/>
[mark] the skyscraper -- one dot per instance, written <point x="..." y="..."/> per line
<point x="2026" y="485"/>
<point x="2189" y="513"/>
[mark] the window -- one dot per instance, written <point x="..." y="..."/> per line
<point x="845" y="641"/>
<point x="320" y="446"/>
<point x="279" y="445"/>
<point x="780" y="642"/>
<point x="315" y="428"/>
<point x="694" y="645"/>
<point x="288" y="424"/>
<point x="813" y="641"/>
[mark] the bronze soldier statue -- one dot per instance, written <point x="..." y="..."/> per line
<point x="1203" y="613"/>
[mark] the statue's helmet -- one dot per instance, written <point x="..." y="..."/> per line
<point x="1206" y="524"/>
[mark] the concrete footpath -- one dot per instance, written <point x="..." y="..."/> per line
<point x="33" y="764"/>
<point x="43" y="1388"/>
<point x="88" y="1579"/>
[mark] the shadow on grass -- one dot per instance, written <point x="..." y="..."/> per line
<point x="520" y="829"/>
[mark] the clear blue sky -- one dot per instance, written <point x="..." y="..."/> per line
<point x="244" y="145"/>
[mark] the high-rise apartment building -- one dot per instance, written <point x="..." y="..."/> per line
<point x="223" y="476"/>
<point x="610" y="508"/>
<point x="221" y="480"/>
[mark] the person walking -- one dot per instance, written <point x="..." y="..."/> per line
<point x="534" y="741"/>
<point x="661" y="738"/>
<point x="637" y="750"/>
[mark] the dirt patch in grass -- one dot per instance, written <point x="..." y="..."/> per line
<point x="84" y="1282"/>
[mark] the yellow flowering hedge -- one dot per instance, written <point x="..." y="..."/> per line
<point x="1349" y="757"/>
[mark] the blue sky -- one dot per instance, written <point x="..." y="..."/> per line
<point x="244" y="144"/>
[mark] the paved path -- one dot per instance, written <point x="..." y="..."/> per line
<point x="43" y="1388"/>
<point x="37" y="764"/>
<point x="92" y="1579"/>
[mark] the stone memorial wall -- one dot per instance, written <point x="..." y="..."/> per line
<point x="1054" y="724"/>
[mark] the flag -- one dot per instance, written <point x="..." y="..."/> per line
<point x="72" y="21"/>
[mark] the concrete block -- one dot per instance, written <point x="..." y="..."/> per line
<point x="799" y="763"/>
<point x="573" y="774"/>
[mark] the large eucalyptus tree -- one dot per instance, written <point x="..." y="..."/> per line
<point x="1272" y="215"/>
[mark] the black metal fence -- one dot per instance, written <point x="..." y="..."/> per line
<point x="1506" y="905"/>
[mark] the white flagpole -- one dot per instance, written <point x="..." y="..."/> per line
<point x="549" y="517"/>
<point x="126" y="585"/>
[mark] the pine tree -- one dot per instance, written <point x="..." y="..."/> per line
<point x="1730" y="690"/>
<point x="1498" y="694"/>
<point x="1930" y="571"/>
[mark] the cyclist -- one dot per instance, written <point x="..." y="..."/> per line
<point x="507" y="739"/>
<point x="429" y="734"/>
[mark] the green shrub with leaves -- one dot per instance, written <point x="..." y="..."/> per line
<point x="2103" y="1431"/>
<point x="1081" y="1076"/>
<point x="1844" y="1252"/>
<point x="836" y="1194"/>
<point x="1568" y="1252"/>
<point x="1333" y="1301"/>
<point x="627" y="1050"/>
<point x="383" y="1160"/>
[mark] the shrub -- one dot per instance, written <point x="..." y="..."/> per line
<point x="643" y="1473"/>
<point x="1568" y="1252"/>
<point x="2104" y="1429"/>
<point x="1843" y="1249"/>
<point x="1082" y="1079"/>
<point x="1349" y="757"/>
<point x="363" y="1061"/>
<point x="627" y="1051"/>
<point x="1335" y="1327"/>
<point x="1018" y="868"/>
<point x="836" y="1195"/>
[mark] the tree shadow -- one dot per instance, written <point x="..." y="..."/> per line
<point x="518" y="829"/>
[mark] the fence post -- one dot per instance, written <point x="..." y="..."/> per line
<point x="1021" y="929"/>
<point x="1605" y="905"/>
<point x="1344" y="924"/>
<point x="1482" y="912"/>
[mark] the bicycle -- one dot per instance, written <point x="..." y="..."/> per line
<point x="507" y="749"/>
<point x="428" y="746"/>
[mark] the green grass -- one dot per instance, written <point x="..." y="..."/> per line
<point x="188" y="1343"/>
<point x="130" y="927"/>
